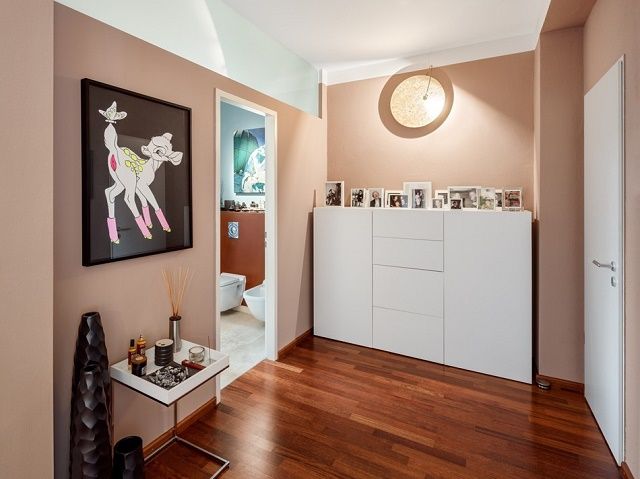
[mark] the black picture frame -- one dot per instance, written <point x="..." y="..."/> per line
<point x="136" y="152"/>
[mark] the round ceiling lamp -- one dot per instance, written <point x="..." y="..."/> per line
<point x="414" y="104"/>
<point x="417" y="101"/>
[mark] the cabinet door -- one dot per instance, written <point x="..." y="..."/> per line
<point x="410" y="290"/>
<point x="342" y="274"/>
<point x="409" y="334"/>
<point x="487" y="291"/>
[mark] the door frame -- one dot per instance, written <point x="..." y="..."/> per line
<point x="271" y="233"/>
<point x="620" y="64"/>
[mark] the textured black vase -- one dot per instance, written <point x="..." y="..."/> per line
<point x="128" y="460"/>
<point x="90" y="434"/>
<point x="90" y="348"/>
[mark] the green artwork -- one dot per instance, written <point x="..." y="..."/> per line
<point x="249" y="162"/>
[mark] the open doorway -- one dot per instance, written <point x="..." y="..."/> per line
<point x="245" y="234"/>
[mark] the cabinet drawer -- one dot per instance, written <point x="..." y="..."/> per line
<point x="410" y="290"/>
<point x="408" y="253"/>
<point x="408" y="224"/>
<point x="410" y="334"/>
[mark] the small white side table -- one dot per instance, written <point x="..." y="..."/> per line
<point x="169" y="397"/>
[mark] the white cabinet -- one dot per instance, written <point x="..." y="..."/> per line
<point x="487" y="297"/>
<point x="342" y="274"/>
<point x="450" y="287"/>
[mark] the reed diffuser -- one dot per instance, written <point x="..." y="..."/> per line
<point x="176" y="284"/>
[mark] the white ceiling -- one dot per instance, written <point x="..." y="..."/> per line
<point x="355" y="39"/>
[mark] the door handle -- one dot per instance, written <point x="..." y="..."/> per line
<point x="611" y="266"/>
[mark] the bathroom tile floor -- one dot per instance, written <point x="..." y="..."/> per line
<point x="242" y="338"/>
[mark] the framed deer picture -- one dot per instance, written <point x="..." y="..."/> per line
<point x="136" y="175"/>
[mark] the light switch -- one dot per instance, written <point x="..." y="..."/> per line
<point x="233" y="229"/>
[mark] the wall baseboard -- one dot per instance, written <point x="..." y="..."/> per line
<point x="289" y="347"/>
<point x="181" y="427"/>
<point x="625" y="472"/>
<point x="563" y="384"/>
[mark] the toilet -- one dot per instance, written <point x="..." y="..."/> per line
<point x="255" y="300"/>
<point x="231" y="290"/>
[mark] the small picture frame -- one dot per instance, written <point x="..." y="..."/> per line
<point x="437" y="203"/>
<point x="487" y="199"/>
<point x="512" y="199"/>
<point x="334" y="193"/>
<point x="418" y="198"/>
<point x="455" y="204"/>
<point x="498" y="200"/>
<point x="422" y="189"/>
<point x="397" y="199"/>
<point x="444" y="194"/>
<point x="469" y="196"/>
<point x="376" y="197"/>
<point x="359" y="197"/>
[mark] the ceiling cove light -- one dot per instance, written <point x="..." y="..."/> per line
<point x="416" y="103"/>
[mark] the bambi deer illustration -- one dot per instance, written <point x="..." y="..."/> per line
<point x="134" y="175"/>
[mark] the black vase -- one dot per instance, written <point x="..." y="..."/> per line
<point x="90" y="434"/>
<point x="128" y="459"/>
<point x="90" y="348"/>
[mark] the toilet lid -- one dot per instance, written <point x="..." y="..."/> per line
<point x="227" y="280"/>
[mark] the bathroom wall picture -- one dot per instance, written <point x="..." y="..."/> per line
<point x="136" y="175"/>
<point x="249" y="162"/>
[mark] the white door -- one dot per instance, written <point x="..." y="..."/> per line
<point x="603" y="250"/>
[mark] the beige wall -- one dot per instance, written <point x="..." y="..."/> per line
<point x="26" y="215"/>
<point x="87" y="48"/>
<point x="559" y="214"/>
<point x="487" y="139"/>
<point x="610" y="32"/>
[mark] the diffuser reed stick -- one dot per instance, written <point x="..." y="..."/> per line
<point x="176" y="284"/>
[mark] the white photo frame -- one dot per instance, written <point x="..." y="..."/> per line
<point x="470" y="196"/>
<point x="512" y="199"/>
<point x="410" y="186"/>
<point x="376" y="197"/>
<point x="359" y="198"/>
<point x="334" y="193"/>
<point x="444" y="194"/>
<point x="396" y="199"/>
<point x="437" y="203"/>
<point x="487" y="199"/>
<point x="498" y="199"/>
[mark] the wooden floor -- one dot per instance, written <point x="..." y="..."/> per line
<point x="339" y="411"/>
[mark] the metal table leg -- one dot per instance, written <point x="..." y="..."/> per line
<point x="224" y="463"/>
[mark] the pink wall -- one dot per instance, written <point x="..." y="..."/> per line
<point x="26" y="216"/>
<point x="610" y="32"/>
<point x="559" y="165"/>
<point x="87" y="48"/>
<point x="486" y="140"/>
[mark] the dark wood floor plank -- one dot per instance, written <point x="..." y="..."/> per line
<point x="338" y="411"/>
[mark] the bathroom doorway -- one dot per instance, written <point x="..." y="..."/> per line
<point x="245" y="161"/>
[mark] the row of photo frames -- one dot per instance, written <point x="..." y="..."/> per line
<point x="419" y="195"/>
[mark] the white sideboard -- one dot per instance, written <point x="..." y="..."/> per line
<point x="452" y="287"/>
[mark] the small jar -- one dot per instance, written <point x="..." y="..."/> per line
<point x="139" y="365"/>
<point x="196" y="354"/>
